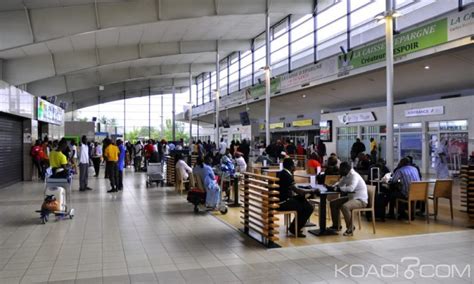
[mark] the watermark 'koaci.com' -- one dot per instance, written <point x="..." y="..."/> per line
<point x="409" y="268"/>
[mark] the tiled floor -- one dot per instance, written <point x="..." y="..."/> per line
<point x="151" y="236"/>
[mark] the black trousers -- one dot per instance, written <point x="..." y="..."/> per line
<point x="302" y="206"/>
<point x="96" y="162"/>
<point x="137" y="163"/>
<point x="119" y="179"/>
<point x="112" y="172"/>
<point x="38" y="166"/>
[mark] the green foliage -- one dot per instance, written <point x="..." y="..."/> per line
<point x="155" y="133"/>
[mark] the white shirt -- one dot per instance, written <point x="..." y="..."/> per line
<point x="166" y="149"/>
<point x="84" y="154"/>
<point x="355" y="184"/>
<point x="241" y="164"/>
<point x="138" y="150"/>
<point x="183" y="169"/>
<point x="222" y="147"/>
<point x="98" y="151"/>
<point x="74" y="151"/>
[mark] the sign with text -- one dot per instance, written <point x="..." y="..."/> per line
<point x="437" y="110"/>
<point x="304" y="122"/>
<point x="277" y="125"/>
<point x="426" y="36"/>
<point x="356" y="117"/>
<point x="50" y="113"/>
<point x="308" y="74"/>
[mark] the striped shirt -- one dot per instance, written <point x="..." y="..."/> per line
<point x="406" y="175"/>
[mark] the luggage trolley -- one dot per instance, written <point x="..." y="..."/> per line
<point x="154" y="173"/>
<point x="61" y="189"/>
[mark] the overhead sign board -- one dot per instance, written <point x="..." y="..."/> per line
<point x="356" y="117"/>
<point x="437" y="110"/>
<point x="50" y="113"/>
<point x="277" y="125"/>
<point x="301" y="123"/>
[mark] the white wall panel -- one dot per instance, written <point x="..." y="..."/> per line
<point x="24" y="70"/>
<point x="127" y="13"/>
<point x="48" y="87"/>
<point x="14" y="29"/>
<point x="117" y="54"/>
<point x="172" y="9"/>
<point x="160" y="49"/>
<point x="55" y="22"/>
<point x="68" y="62"/>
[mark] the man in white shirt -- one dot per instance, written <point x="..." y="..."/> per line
<point x="84" y="165"/>
<point x="137" y="160"/>
<point x="240" y="162"/>
<point x="354" y="185"/>
<point x="222" y="147"/>
<point x="182" y="167"/>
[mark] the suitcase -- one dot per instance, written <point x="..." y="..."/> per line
<point x="196" y="196"/>
<point x="60" y="195"/>
<point x="381" y="202"/>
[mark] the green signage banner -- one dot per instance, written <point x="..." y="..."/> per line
<point x="417" y="39"/>
<point x="259" y="90"/>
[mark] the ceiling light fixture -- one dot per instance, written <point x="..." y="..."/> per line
<point x="427" y="67"/>
<point x="303" y="96"/>
<point x="101" y="88"/>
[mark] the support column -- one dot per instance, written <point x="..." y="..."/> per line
<point x="149" y="113"/>
<point x="389" y="63"/>
<point x="190" y="83"/>
<point x="267" y="75"/>
<point x="1" y="69"/>
<point x="218" y="93"/>
<point x="173" y="113"/>
<point x="124" y="116"/>
<point x="162" y="124"/>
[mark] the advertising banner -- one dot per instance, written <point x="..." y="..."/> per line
<point x="259" y="90"/>
<point x="50" y="113"/>
<point x="417" y="39"/>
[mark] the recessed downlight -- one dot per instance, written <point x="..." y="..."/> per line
<point x="427" y="67"/>
<point x="303" y="96"/>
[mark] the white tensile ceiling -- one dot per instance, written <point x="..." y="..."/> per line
<point x="69" y="47"/>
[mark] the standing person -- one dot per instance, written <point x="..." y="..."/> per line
<point x="35" y="154"/>
<point x="240" y="162"/>
<point x="71" y="153"/>
<point x="441" y="160"/>
<point x="289" y="201"/>
<point x="321" y="151"/>
<point x="373" y="150"/>
<point x="290" y="147"/>
<point x="137" y="160"/>
<point x="231" y="147"/>
<point x="105" y="143"/>
<point x="222" y="147"/>
<point x="111" y="154"/>
<point x="84" y="165"/>
<point x="351" y="182"/>
<point x="96" y="158"/>
<point x="129" y="147"/>
<point x="245" y="150"/>
<point x="149" y="149"/>
<point x="357" y="148"/>
<point x="120" y="164"/>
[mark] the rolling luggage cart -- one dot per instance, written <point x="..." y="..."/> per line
<point x="60" y="188"/>
<point x="154" y="173"/>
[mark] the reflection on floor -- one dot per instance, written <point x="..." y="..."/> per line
<point x="151" y="235"/>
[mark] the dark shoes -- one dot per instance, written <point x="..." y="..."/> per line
<point x="334" y="228"/>
<point x="349" y="233"/>
<point x="113" y="190"/>
<point x="300" y="234"/>
<point x="88" y="188"/>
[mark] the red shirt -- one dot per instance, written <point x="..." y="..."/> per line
<point x="148" y="150"/>
<point x="313" y="164"/>
<point x="300" y="150"/>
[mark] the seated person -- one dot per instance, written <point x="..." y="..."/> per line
<point x="400" y="184"/>
<point x="313" y="165"/>
<point x="334" y="156"/>
<point x="58" y="161"/>
<point x="351" y="182"/>
<point x="183" y="168"/>
<point x="240" y="162"/>
<point x="264" y="157"/>
<point x="154" y="157"/>
<point x="290" y="202"/>
<point x="204" y="171"/>
<point x="332" y="166"/>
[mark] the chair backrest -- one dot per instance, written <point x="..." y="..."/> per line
<point x="331" y="179"/>
<point x="371" y="193"/>
<point x="443" y="188"/>
<point x="418" y="191"/>
<point x="199" y="182"/>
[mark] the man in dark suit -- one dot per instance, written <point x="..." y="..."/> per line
<point x="292" y="198"/>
